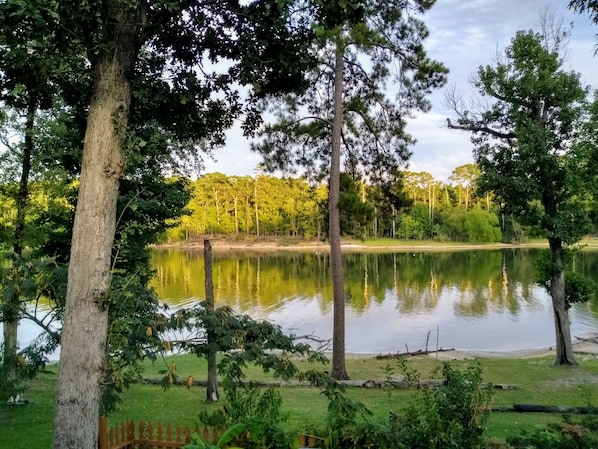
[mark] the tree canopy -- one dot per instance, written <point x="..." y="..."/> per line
<point x="528" y="146"/>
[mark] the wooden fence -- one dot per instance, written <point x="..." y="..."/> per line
<point x="148" y="435"/>
<point x="158" y="436"/>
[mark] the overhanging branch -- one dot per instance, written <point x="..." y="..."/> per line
<point x="481" y="129"/>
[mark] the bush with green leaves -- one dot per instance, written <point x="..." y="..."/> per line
<point x="243" y="341"/>
<point x="347" y="421"/>
<point x="565" y="435"/>
<point x="197" y="442"/>
<point x="450" y="415"/>
<point x="258" y="410"/>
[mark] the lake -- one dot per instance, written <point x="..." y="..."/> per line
<point x="396" y="301"/>
<point x="399" y="301"/>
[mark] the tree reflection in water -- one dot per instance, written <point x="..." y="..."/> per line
<point x="478" y="299"/>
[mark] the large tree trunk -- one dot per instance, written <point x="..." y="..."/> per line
<point x="212" y="384"/>
<point x="85" y="323"/>
<point x="339" y="370"/>
<point x="564" y="347"/>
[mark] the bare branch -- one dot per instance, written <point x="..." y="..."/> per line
<point x="52" y="333"/>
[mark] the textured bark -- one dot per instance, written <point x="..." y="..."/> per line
<point x="564" y="346"/>
<point x="212" y="383"/>
<point x="85" y="323"/>
<point x="339" y="370"/>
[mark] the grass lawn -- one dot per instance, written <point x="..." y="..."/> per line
<point x="536" y="381"/>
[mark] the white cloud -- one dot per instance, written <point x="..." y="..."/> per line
<point x="464" y="34"/>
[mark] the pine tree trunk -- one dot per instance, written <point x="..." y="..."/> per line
<point x="339" y="371"/>
<point x="85" y="323"/>
<point x="564" y="347"/>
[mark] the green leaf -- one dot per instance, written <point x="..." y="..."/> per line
<point x="230" y="435"/>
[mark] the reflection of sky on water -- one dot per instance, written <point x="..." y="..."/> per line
<point x="383" y="328"/>
<point x="393" y="307"/>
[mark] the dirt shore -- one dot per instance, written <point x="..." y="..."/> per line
<point x="580" y="347"/>
<point x="271" y="244"/>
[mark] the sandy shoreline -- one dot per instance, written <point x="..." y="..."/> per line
<point x="273" y="244"/>
<point x="311" y="246"/>
<point x="580" y="347"/>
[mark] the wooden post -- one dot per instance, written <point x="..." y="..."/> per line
<point x="102" y="434"/>
<point x="212" y="386"/>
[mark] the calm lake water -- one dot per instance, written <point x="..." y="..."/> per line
<point x="472" y="300"/>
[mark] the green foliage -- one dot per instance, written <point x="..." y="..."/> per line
<point x="578" y="286"/>
<point x="242" y="339"/>
<point x="569" y="434"/>
<point x="452" y="414"/>
<point x="523" y="132"/>
<point x="371" y="37"/>
<point x="31" y="361"/>
<point x="344" y="417"/>
<point x="482" y="226"/>
<point x="198" y="443"/>
<point x="410" y="228"/>
<point x="25" y="280"/>
<point x="258" y="410"/>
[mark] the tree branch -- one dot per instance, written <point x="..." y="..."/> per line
<point x="481" y="129"/>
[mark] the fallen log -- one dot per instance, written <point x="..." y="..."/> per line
<point x="537" y="408"/>
<point x="401" y="384"/>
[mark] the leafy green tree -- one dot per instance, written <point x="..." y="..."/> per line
<point x="389" y="199"/>
<point x="345" y="109"/>
<point x="159" y="50"/>
<point x="410" y="228"/>
<point x="465" y="177"/>
<point x="482" y="226"/>
<point x="452" y="224"/>
<point x="32" y="76"/>
<point x="415" y="223"/>
<point x="525" y="146"/>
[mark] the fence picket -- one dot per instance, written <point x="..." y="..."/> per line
<point x="149" y="435"/>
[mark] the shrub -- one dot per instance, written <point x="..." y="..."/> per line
<point x="565" y="435"/>
<point x="451" y="415"/>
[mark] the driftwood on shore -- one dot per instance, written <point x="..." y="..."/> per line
<point x="591" y="338"/>
<point x="411" y="353"/>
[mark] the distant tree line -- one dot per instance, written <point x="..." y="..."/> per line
<point x="416" y="207"/>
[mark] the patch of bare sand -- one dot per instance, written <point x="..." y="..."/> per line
<point x="579" y="347"/>
<point x="587" y="347"/>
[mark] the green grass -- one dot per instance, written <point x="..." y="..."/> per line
<point x="536" y="381"/>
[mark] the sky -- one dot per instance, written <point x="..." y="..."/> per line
<point x="464" y="34"/>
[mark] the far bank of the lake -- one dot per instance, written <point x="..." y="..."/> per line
<point x="220" y="244"/>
